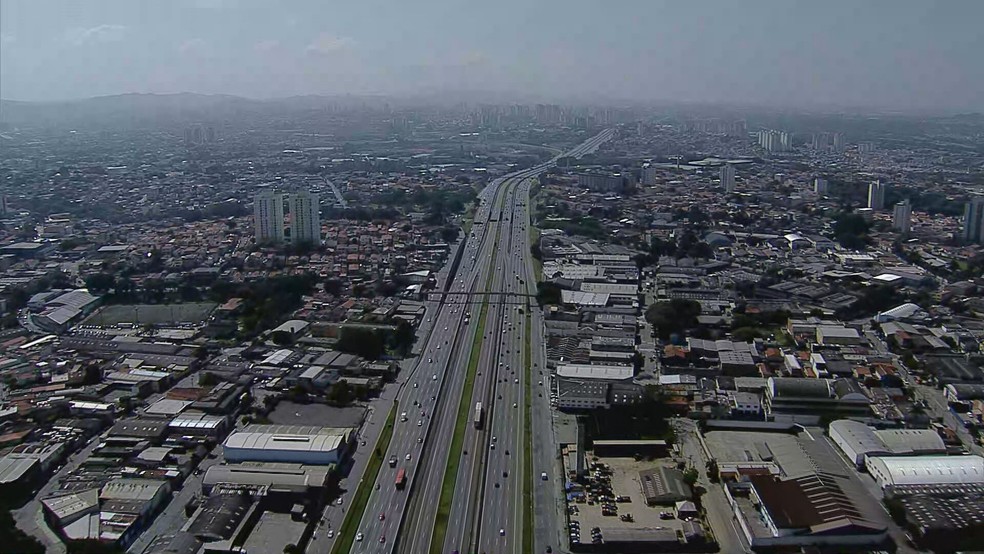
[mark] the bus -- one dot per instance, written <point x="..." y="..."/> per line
<point x="401" y="479"/>
<point x="479" y="413"/>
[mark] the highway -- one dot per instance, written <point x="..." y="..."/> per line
<point x="430" y="396"/>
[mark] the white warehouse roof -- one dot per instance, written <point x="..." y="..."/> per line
<point x="295" y="439"/>
<point x="927" y="470"/>
<point x="587" y="371"/>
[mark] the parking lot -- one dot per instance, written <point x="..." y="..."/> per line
<point x="631" y="512"/>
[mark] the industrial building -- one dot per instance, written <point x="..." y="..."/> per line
<point x="858" y="441"/>
<point x="288" y="443"/>
<point x="807" y="511"/>
<point x="921" y="471"/>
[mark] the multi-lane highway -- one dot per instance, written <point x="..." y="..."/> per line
<point x="487" y="504"/>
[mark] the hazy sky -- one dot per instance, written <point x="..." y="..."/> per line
<point x="882" y="53"/>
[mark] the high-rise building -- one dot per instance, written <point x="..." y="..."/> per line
<point x="902" y="217"/>
<point x="821" y="186"/>
<point x="775" y="141"/>
<point x="838" y="142"/>
<point x="728" y="178"/>
<point x="876" y="195"/>
<point x="268" y="217"/>
<point x="649" y="175"/>
<point x="305" y="217"/>
<point x="973" y="225"/>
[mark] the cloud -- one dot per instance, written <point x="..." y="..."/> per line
<point x="266" y="45"/>
<point x="94" y="35"/>
<point x="330" y="44"/>
<point x="192" y="46"/>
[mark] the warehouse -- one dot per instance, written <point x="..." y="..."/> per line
<point x="858" y="441"/>
<point x="288" y="443"/>
<point x="926" y="470"/>
<point x="267" y="478"/>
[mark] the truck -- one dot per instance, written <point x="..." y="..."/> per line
<point x="401" y="479"/>
<point x="479" y="415"/>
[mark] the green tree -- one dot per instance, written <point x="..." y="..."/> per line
<point x="690" y="476"/>
<point x="340" y="394"/>
<point x="675" y="316"/>
<point x="100" y="283"/>
<point x="361" y="342"/>
<point x="207" y="379"/>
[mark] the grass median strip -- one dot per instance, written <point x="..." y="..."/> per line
<point x="528" y="429"/>
<point x="346" y="533"/>
<point x="457" y="440"/>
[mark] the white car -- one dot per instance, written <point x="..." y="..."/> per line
<point x="502" y="532"/>
<point x="359" y="537"/>
<point x="419" y="423"/>
<point x="434" y="377"/>
<point x="408" y="457"/>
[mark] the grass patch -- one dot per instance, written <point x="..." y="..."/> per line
<point x="528" y="507"/>
<point x="346" y="533"/>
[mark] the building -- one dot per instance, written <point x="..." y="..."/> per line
<point x="923" y="471"/>
<point x="728" y="178"/>
<point x="649" y="175"/>
<point x="807" y="511"/>
<point x="664" y="486"/>
<point x="604" y="182"/>
<point x="821" y="186"/>
<point x="876" y="195"/>
<point x="807" y="398"/>
<point x="268" y="217"/>
<point x="278" y="478"/>
<point x="858" y="441"/>
<point x="973" y="224"/>
<point x="288" y="443"/>
<point x="305" y="218"/>
<point x="775" y="141"/>
<point x="902" y="217"/>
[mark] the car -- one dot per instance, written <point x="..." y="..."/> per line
<point x="439" y="347"/>
<point x="493" y="438"/>
<point x="415" y="385"/>
<point x="492" y="446"/>
<point x="419" y="422"/>
<point x="339" y="502"/>
<point x="420" y="440"/>
<point x="516" y="381"/>
<point x="382" y="516"/>
<point x="382" y="539"/>
<point x="408" y="457"/>
<point x="331" y="533"/>
<point x="430" y="360"/>
<point x="359" y="537"/>
<point x="445" y="328"/>
<point x="549" y="550"/>
<point x="505" y="474"/>
<point x="515" y="404"/>
<point x="502" y="532"/>
<point x="497" y="485"/>
<point x="433" y="378"/>
<point x="543" y="475"/>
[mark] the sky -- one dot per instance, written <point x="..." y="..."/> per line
<point x="892" y="54"/>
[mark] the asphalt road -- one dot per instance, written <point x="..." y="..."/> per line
<point x="431" y="396"/>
